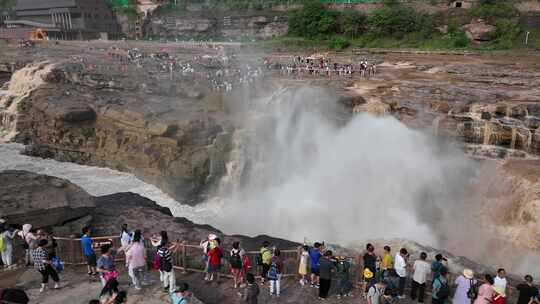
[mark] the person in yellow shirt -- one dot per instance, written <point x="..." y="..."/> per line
<point x="387" y="261"/>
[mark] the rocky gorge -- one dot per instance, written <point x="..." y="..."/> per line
<point x="185" y="137"/>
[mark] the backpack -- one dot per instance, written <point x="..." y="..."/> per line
<point x="3" y="244"/>
<point x="235" y="260"/>
<point x="258" y="259"/>
<point x="444" y="290"/>
<point x="273" y="272"/>
<point x="472" y="293"/>
<point x="57" y="264"/>
<point x="156" y="263"/>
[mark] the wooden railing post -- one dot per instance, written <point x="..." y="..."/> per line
<point x="184" y="259"/>
<point x="71" y="250"/>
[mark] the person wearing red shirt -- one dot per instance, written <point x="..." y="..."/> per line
<point x="215" y="254"/>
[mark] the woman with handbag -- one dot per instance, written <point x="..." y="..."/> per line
<point x="106" y="265"/>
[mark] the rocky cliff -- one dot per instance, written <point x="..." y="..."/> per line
<point x="169" y="133"/>
<point x="210" y="24"/>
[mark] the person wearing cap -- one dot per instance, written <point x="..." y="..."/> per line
<point x="463" y="284"/>
<point x="527" y="291"/>
<point x="7" y="236"/>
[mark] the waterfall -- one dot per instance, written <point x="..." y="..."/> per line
<point x="514" y="135"/>
<point x="22" y="83"/>
<point x="436" y="123"/>
<point x="487" y="133"/>
<point x="234" y="168"/>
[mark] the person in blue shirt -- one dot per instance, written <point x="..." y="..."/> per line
<point x="314" y="256"/>
<point x="437" y="266"/>
<point x="181" y="295"/>
<point x="88" y="251"/>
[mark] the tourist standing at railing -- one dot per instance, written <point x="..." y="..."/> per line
<point x="326" y="268"/>
<point x="370" y="262"/>
<point x="235" y="260"/>
<point x="343" y="273"/>
<point x="41" y="234"/>
<point x="136" y="259"/>
<point x="125" y="239"/>
<point x="30" y="243"/>
<point x="265" y="260"/>
<point x="421" y="269"/>
<point x="486" y="292"/>
<point x="464" y="283"/>
<point x="315" y="256"/>
<point x="6" y="244"/>
<point x="438" y="265"/>
<point x="106" y="264"/>
<point x="400" y="265"/>
<point x="88" y="251"/>
<point x="275" y="272"/>
<point x="214" y="259"/>
<point x="387" y="262"/>
<point x="205" y="245"/>
<point x="42" y="263"/>
<point x="303" y="265"/>
<point x="501" y="281"/>
<point x="166" y="270"/>
<point x="527" y="291"/>
<point x="440" y="288"/>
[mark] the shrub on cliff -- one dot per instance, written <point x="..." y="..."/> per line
<point x="506" y="34"/>
<point x="397" y="20"/>
<point x="353" y="23"/>
<point x="338" y="43"/>
<point x="494" y="9"/>
<point x="312" y="20"/>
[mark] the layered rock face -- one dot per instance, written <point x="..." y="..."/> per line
<point x="487" y="104"/>
<point x="227" y="25"/>
<point x="168" y="132"/>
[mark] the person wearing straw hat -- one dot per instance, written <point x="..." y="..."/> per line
<point x="464" y="283"/>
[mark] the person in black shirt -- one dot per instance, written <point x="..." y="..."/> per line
<point x="370" y="262"/>
<point x="527" y="291"/>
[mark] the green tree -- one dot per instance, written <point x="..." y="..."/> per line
<point x="398" y="20"/>
<point x="312" y="20"/>
<point x="353" y="22"/>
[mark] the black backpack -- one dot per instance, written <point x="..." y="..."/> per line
<point x="235" y="260"/>
<point x="472" y="293"/>
<point x="259" y="259"/>
<point x="444" y="291"/>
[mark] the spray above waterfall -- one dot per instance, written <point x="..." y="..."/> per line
<point x="302" y="167"/>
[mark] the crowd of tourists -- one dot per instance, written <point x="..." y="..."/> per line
<point x="299" y="66"/>
<point x="221" y="70"/>
<point x="383" y="279"/>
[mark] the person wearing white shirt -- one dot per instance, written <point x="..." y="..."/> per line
<point x="421" y="270"/>
<point x="400" y="265"/>
<point x="501" y="282"/>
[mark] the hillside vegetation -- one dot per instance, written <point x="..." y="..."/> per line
<point x="397" y="25"/>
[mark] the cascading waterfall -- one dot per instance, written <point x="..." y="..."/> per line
<point x="308" y="175"/>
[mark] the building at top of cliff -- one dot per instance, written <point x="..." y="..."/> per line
<point x="64" y="19"/>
